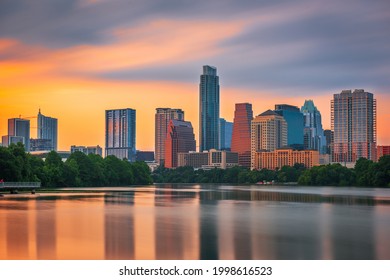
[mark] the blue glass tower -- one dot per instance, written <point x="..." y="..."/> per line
<point x="225" y="134"/>
<point x="120" y="133"/>
<point x="209" y="109"/>
<point x="314" y="138"/>
<point x="294" y="119"/>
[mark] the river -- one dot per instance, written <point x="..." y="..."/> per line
<point x="197" y="222"/>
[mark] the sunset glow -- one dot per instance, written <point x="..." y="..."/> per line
<point x="155" y="61"/>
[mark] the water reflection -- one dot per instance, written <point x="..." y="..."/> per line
<point x="195" y="222"/>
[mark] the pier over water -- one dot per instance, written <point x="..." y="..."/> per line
<point x="15" y="187"/>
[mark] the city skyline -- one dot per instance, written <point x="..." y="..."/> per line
<point x="266" y="54"/>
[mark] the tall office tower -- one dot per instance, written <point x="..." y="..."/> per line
<point x="353" y="116"/>
<point x="314" y="138"/>
<point x="120" y="133"/>
<point x="225" y="134"/>
<point x="19" y="131"/>
<point x="294" y="119"/>
<point x="48" y="129"/>
<point x="162" y="118"/>
<point x="268" y="132"/>
<point x="329" y="135"/>
<point x="241" y="139"/>
<point x="180" y="139"/>
<point x="209" y="109"/>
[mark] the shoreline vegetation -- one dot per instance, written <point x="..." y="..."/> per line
<point x="81" y="170"/>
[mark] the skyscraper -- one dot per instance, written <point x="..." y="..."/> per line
<point x="314" y="138"/>
<point x="120" y="133"/>
<point x="225" y="134"/>
<point x="353" y="116"/>
<point x="241" y="139"/>
<point x="48" y="129"/>
<point x="268" y="132"/>
<point x="18" y="131"/>
<point x="209" y="109"/>
<point x="294" y="119"/>
<point x="162" y="118"/>
<point x="180" y="139"/>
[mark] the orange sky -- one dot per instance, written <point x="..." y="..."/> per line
<point x="65" y="84"/>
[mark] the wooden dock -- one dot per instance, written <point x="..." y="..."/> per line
<point x="15" y="187"/>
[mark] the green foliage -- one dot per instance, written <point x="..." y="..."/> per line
<point x="79" y="170"/>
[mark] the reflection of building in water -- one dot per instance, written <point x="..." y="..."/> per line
<point x="119" y="227"/>
<point x="17" y="230"/>
<point x="382" y="230"/>
<point x="144" y="226"/>
<point x="208" y="228"/>
<point x="352" y="238"/>
<point x="46" y="233"/>
<point x="177" y="224"/>
<point x="225" y="212"/>
<point x="80" y="228"/>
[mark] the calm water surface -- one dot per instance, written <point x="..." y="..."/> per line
<point x="197" y="222"/>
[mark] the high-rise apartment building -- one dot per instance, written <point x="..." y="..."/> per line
<point x="225" y="134"/>
<point x="18" y="131"/>
<point x="294" y="119"/>
<point x="120" y="133"/>
<point x="162" y="118"/>
<point x="180" y="139"/>
<point x="209" y="109"/>
<point x="48" y="129"/>
<point x="314" y="138"/>
<point x="353" y="116"/>
<point x="241" y="139"/>
<point x="268" y="133"/>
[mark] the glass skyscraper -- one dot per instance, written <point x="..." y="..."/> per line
<point x="314" y="138"/>
<point x="353" y="116"/>
<point x="180" y="139"/>
<point x="120" y="133"/>
<point x="241" y="139"/>
<point x="294" y="119"/>
<point x="225" y="134"/>
<point x="48" y="129"/>
<point x="19" y="131"/>
<point x="209" y="109"/>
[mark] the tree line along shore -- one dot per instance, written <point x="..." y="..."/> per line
<point x="80" y="170"/>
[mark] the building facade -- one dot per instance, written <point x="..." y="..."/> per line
<point x="383" y="151"/>
<point x="41" y="145"/>
<point x="97" y="150"/>
<point x="162" y="118"/>
<point x="282" y="157"/>
<point x="208" y="159"/>
<point x="314" y="138"/>
<point x="48" y="129"/>
<point x="180" y="139"/>
<point x="120" y="133"/>
<point x="241" y="139"/>
<point x="225" y="134"/>
<point x="268" y="133"/>
<point x="294" y="119"/>
<point x="209" y="109"/>
<point x="329" y="136"/>
<point x="18" y="131"/>
<point x="353" y="117"/>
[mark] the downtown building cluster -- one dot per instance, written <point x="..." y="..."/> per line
<point x="285" y="135"/>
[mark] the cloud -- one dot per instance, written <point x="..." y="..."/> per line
<point x="300" y="46"/>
